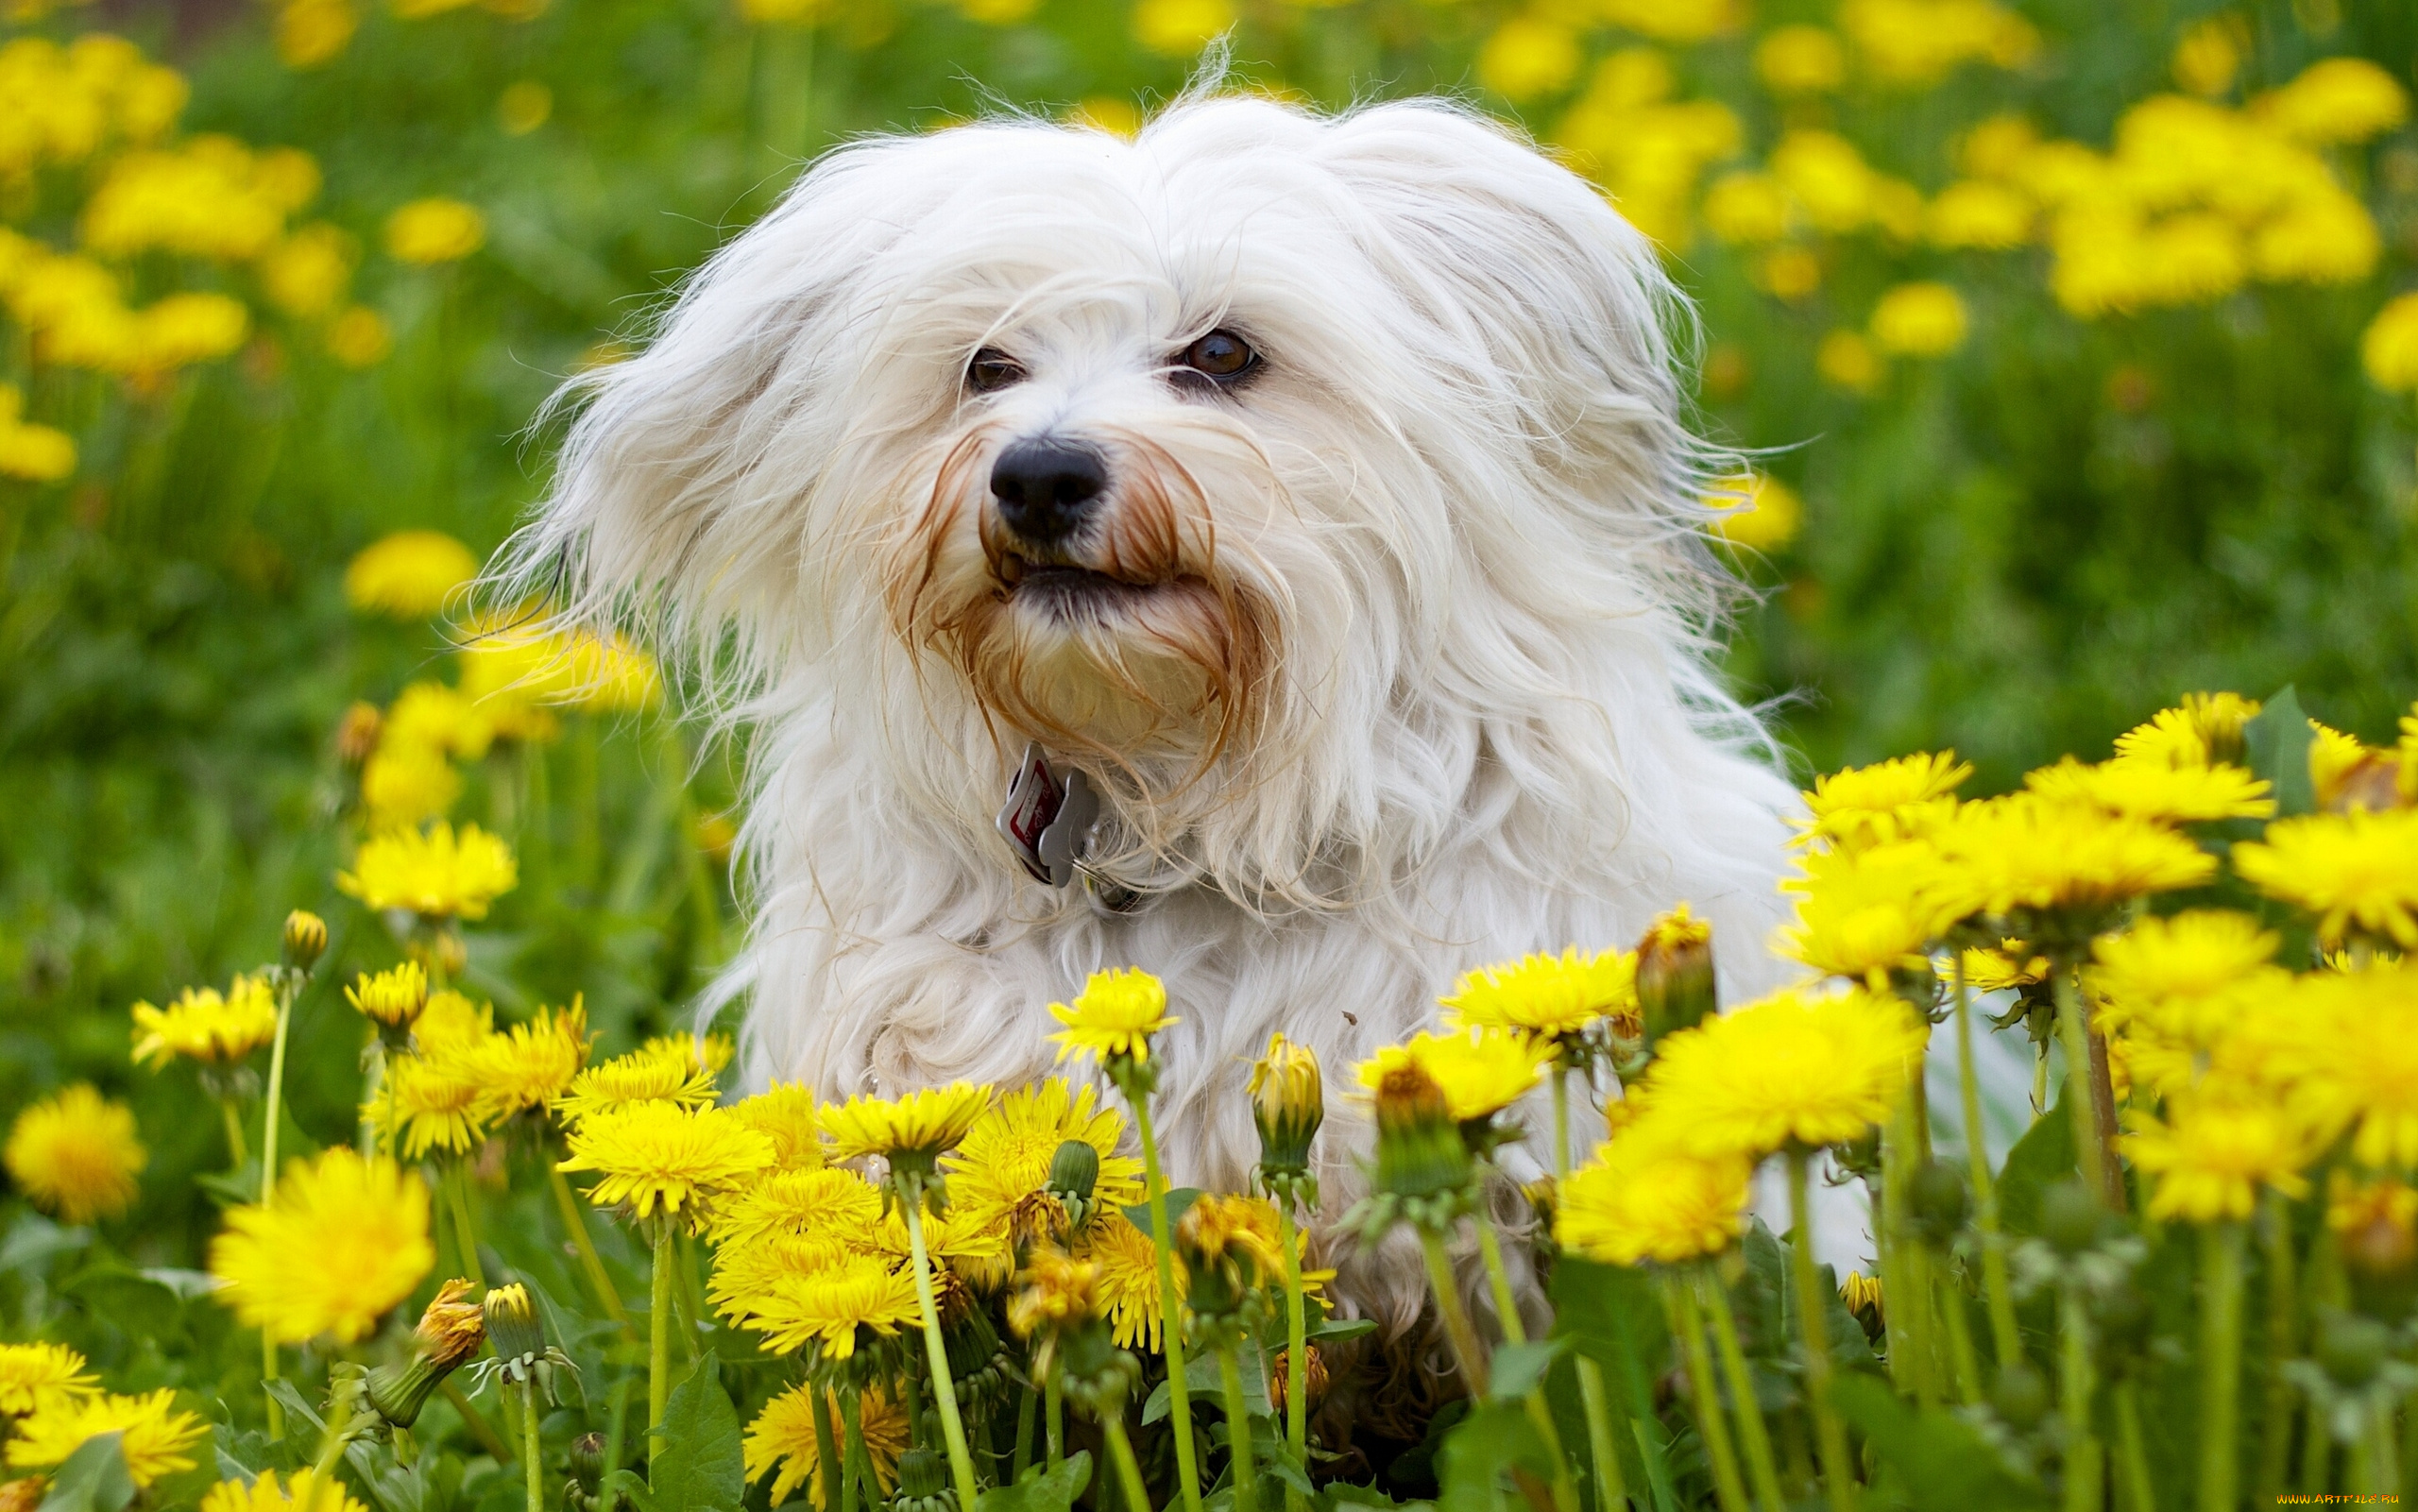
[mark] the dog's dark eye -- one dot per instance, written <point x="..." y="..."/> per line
<point x="992" y="371"/>
<point x="1220" y="354"/>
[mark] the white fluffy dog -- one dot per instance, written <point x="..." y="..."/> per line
<point x="1315" y="485"/>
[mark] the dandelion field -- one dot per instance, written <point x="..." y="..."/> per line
<point x="359" y="1154"/>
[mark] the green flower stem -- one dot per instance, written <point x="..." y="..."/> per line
<point x="1448" y="1307"/>
<point x="1996" y="1288"/>
<point x="332" y="1442"/>
<point x="476" y="1421"/>
<point x="2281" y="1343"/>
<point x="1752" y="1435"/>
<point x="826" y="1448"/>
<point x="1962" y="1357"/>
<point x="2380" y="1453"/>
<point x="533" y="1456"/>
<point x="1507" y="1308"/>
<point x="1297" y="1364"/>
<point x="1728" y="1486"/>
<point x="1054" y="1423"/>
<point x="2090" y="1141"/>
<point x="1560" y="1124"/>
<point x="658" y="1327"/>
<point x="599" y="1280"/>
<point x="466" y="1233"/>
<point x="852" y="1451"/>
<point x="1027" y="1409"/>
<point x="1246" y="1474"/>
<point x="2132" y="1453"/>
<point x="1900" y="1279"/>
<point x="2327" y="1287"/>
<point x="2220" y="1363"/>
<point x="1129" y="1472"/>
<point x="238" y="1148"/>
<point x="1611" y="1481"/>
<point x="936" y="1351"/>
<point x="1187" y="1472"/>
<point x="2074" y="1388"/>
<point x="272" y="1106"/>
<point x="1830" y="1433"/>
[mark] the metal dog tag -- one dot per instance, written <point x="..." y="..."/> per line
<point x="1047" y="822"/>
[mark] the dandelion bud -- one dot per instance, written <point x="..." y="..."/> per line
<point x="1288" y="1103"/>
<point x="1862" y="1295"/>
<point x="393" y="997"/>
<point x="25" y="1495"/>
<point x="1420" y="1154"/>
<point x="2071" y="1217"/>
<point x="306" y="940"/>
<point x="1675" y="986"/>
<point x="512" y="1324"/>
<point x="1074" y="1172"/>
<point x="2351" y="1348"/>
<point x="587" y="1461"/>
<point x="357" y="735"/>
<point x="922" y="1485"/>
<point x="1057" y="1291"/>
<point x="450" y="1332"/>
<point x="2376" y="1225"/>
<point x="1280" y="1380"/>
<point x="1939" y="1203"/>
<point x="1228" y="1247"/>
<point x="2021" y="1397"/>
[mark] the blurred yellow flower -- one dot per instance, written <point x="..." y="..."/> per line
<point x="785" y="1112"/>
<point x="1801" y="60"/>
<point x="1758" y="513"/>
<point x="2207" y="57"/>
<point x="2202" y="729"/>
<point x="1546" y="998"/>
<point x="409" y="575"/>
<point x="1789" y="274"/>
<point x="1901" y="798"/>
<point x="505" y="664"/>
<point x="404" y="783"/>
<point x="2027" y="854"/>
<point x="2354" y="1060"/>
<point x="2388" y="348"/>
<point x="2188" y="977"/>
<point x="210" y="197"/>
<point x="1998" y="146"/>
<point x="360" y="337"/>
<point x="438" y="717"/>
<point x="75" y="1155"/>
<point x="1479" y="1073"/>
<point x="1914" y="43"/>
<point x="38" y="453"/>
<point x="782" y="1438"/>
<point x="659" y="1156"/>
<point x="2335" y="100"/>
<point x="33" y="1375"/>
<point x="2356" y="873"/>
<point x="307" y="273"/>
<point x="1528" y="57"/>
<point x="2212" y="1155"/>
<point x="154" y="1437"/>
<point x="919" y="1124"/>
<point x="2009" y="966"/>
<point x="1789" y="1067"/>
<point x="265" y="1495"/>
<point x="1867" y="911"/>
<point x="529" y="1065"/>
<point x="1748" y="207"/>
<point x="342" y="1240"/>
<point x="1846" y="360"/>
<point x="435" y="873"/>
<point x="1919" y="320"/>
<point x="1114" y="1016"/>
<point x="1114" y="115"/>
<point x="1679" y="21"/>
<point x="1644" y="1197"/>
<point x="1180" y="28"/>
<point x="394" y="997"/>
<point x="428" y="231"/>
<point x="1826" y="176"/>
<point x="523" y="107"/>
<point x="2151" y="790"/>
<point x="200" y="1025"/>
<point x="1980" y="214"/>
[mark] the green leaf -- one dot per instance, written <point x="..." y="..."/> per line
<point x="1944" y="1460"/>
<point x="1041" y="1489"/>
<point x="697" y="1465"/>
<point x="1520" y="1369"/>
<point x="1178" y="1198"/>
<point x="1343" y="1493"/>
<point x="1200" y="1374"/>
<point x="1613" y="1318"/>
<point x="2276" y="743"/>
<point x="2042" y="1158"/>
<point x="1493" y="1441"/>
<point x="1338" y="1329"/>
<point x="94" y="1479"/>
<point x="630" y="1488"/>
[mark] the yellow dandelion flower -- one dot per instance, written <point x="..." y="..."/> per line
<point x="747" y="1270"/>
<point x="409" y="575"/>
<point x="1114" y="1016"/>
<point x="202" y="1025"/>
<point x="2211" y="1156"/>
<point x="433" y="872"/>
<point x="338" y="1243"/>
<point x="435" y="230"/>
<point x="1480" y="1073"/>
<point x="1129" y="1279"/>
<point x="2188" y="977"/>
<point x="1862" y="1295"/>
<point x="2335" y="100"/>
<point x="1792" y="1067"/>
<point x="1005" y="1155"/>
<point x="265" y="1495"/>
<point x="1758" y="513"/>
<point x="836" y="1309"/>
<point x="640" y="1077"/>
<point x="2383" y="1207"/>
<point x="2204" y="729"/>
<point x="76" y="1156"/>
<point x="1645" y="1198"/>
<point x="403" y="784"/>
<point x="782" y="1438"/>
<point x="2010" y="966"/>
<point x="2025" y="853"/>
<point x="708" y="1053"/>
<point x="2357" y="871"/>
<point x="2388" y="348"/>
<point x="1890" y="800"/>
<point x="785" y="1112"/>
<point x="976" y="1250"/>
<point x="440" y="719"/>
<point x="2353" y="1060"/>
<point x="661" y="1156"/>
<point x="1552" y="998"/>
<point x="834" y="1204"/>
<point x="1876" y="908"/>
<point x="2156" y="791"/>
<point x="1919" y="320"/>
<point x="529" y="1065"/>
<point x="154" y="1438"/>
<point x="451" y="1024"/>
<point x="1055" y="1292"/>
<point x="31" y="1375"/>
<point x="393" y="997"/>
<point x="2344" y="773"/>
<point x="431" y="1103"/>
<point x="1800" y="59"/>
<point x="920" y="1124"/>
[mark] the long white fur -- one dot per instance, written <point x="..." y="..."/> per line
<point x="1461" y="498"/>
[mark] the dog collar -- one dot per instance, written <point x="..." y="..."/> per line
<point x="1048" y="821"/>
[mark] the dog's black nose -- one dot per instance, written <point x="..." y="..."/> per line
<point x="1046" y="487"/>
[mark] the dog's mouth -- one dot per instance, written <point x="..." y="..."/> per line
<point x="1061" y="582"/>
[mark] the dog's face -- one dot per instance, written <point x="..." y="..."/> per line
<point x="1187" y="455"/>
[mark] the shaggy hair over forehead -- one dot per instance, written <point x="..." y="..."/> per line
<point x="1405" y="663"/>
